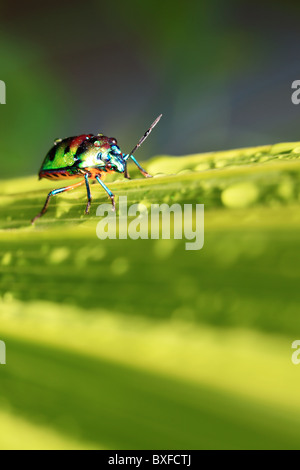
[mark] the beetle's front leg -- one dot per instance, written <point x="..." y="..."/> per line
<point x="144" y="172"/>
<point x="111" y="195"/>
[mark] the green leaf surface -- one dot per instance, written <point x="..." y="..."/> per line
<point x="141" y="343"/>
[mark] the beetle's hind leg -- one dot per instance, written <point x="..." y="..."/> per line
<point x="53" y="193"/>
<point x="89" y="196"/>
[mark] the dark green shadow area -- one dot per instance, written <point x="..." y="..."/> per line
<point x="120" y="407"/>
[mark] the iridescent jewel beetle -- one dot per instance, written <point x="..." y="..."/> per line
<point x="90" y="156"/>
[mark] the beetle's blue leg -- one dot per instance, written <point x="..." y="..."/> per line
<point x="112" y="197"/>
<point x="88" y="190"/>
<point x="53" y="193"/>
<point x="126" y="173"/>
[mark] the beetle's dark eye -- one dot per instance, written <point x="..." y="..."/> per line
<point x="104" y="158"/>
<point x="113" y="140"/>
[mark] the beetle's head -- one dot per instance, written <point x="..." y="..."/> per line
<point x="111" y="155"/>
<point x="116" y="156"/>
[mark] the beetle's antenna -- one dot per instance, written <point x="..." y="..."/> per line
<point x="145" y="135"/>
<point x="142" y="139"/>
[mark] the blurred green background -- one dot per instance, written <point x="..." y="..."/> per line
<point x="140" y="344"/>
<point x="220" y="72"/>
